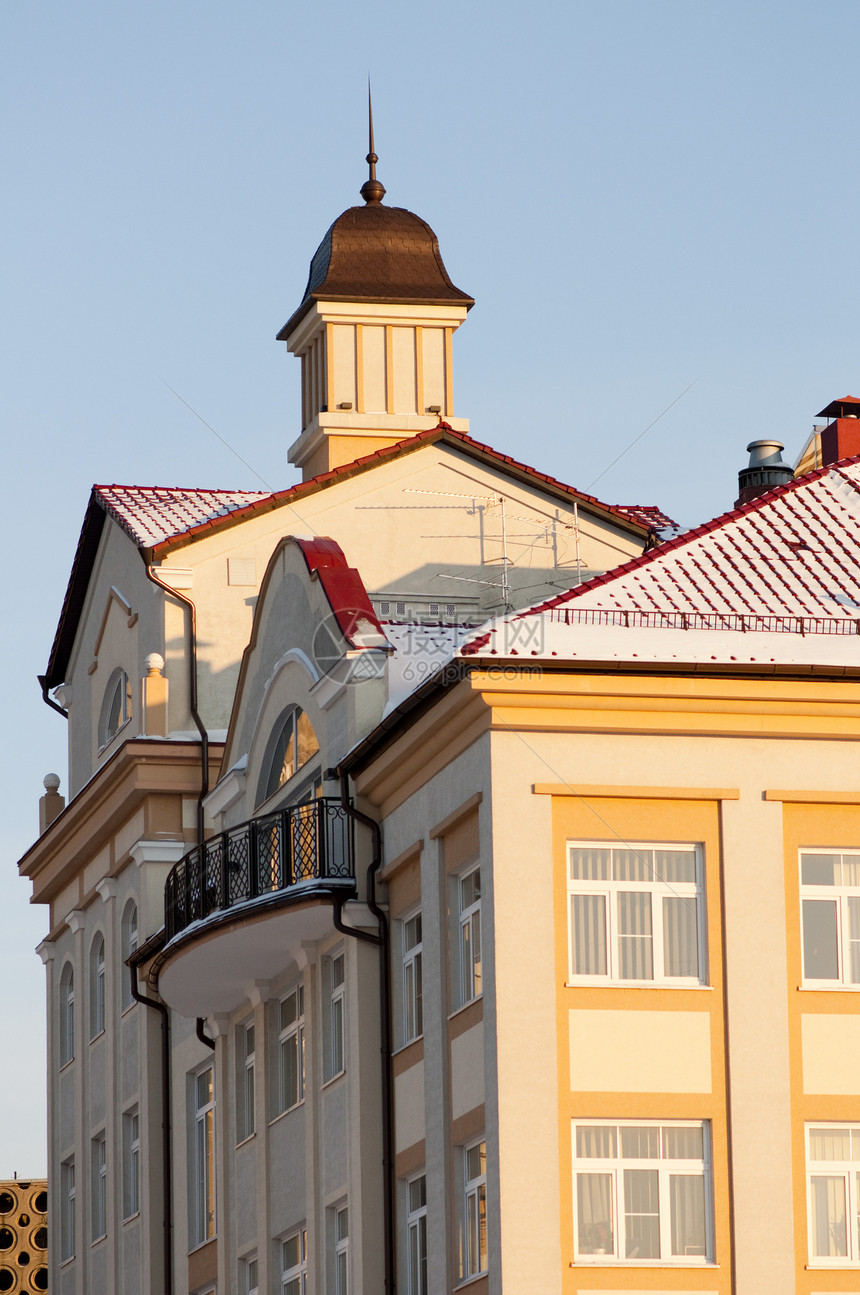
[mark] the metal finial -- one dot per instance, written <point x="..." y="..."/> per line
<point x="372" y="191"/>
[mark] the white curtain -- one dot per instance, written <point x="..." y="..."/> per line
<point x="588" y="935"/>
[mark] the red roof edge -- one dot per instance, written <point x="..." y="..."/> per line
<point x="343" y="587"/>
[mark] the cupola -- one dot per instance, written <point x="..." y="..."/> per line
<point x="373" y="332"/>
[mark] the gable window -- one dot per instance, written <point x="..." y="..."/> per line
<point x="334" y="1058"/>
<point x="636" y="914"/>
<point x="130" y="1163"/>
<point x="291" y="1050"/>
<point x="203" y="1199"/>
<point x="413" y="995"/>
<point x="97" y="986"/>
<point x="416" y="1235"/>
<point x="833" y="1174"/>
<point x="830" y="907"/>
<point x="469" y="894"/>
<point x="294" y="1264"/>
<point x="116" y="707"/>
<point x="245" y="1050"/>
<point x="474" y="1259"/>
<point x="295" y="744"/>
<point x="67" y="1014"/>
<point x="642" y="1191"/>
<point x="128" y="945"/>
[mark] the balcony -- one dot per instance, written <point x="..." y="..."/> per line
<point x="240" y="907"/>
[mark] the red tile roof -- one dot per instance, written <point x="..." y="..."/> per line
<point x="153" y="514"/>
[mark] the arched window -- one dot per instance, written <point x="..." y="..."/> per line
<point x="67" y="1014"/>
<point x="116" y="707"/>
<point x="128" y="944"/>
<point x="294" y="743"/>
<point x="97" y="986"/>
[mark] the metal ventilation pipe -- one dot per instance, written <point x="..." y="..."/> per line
<point x="764" y="471"/>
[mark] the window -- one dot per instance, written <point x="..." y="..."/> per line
<point x="413" y="1004"/>
<point x="67" y="1014"/>
<point x="642" y="1191"/>
<point x="636" y="913"/>
<point x="334" y="1050"/>
<point x="116" y="707"/>
<point x="249" y="1282"/>
<point x="295" y="744"/>
<point x="128" y="945"/>
<point x="833" y="1165"/>
<point x="245" y="1081"/>
<point x="830" y="902"/>
<point x="203" y="1219"/>
<point x="341" y="1251"/>
<point x="291" y="1050"/>
<point x="474" y="1250"/>
<point x="97" y="986"/>
<point x="294" y="1264"/>
<point x="469" y="889"/>
<point x="130" y="1164"/>
<point x="99" y="1186"/>
<point x="416" y="1235"/>
<point x="67" y="1206"/>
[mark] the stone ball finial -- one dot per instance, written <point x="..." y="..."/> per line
<point x="154" y="663"/>
<point x="51" y="782"/>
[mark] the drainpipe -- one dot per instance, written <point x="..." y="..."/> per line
<point x="192" y="694"/>
<point x="49" y="701"/>
<point x="166" y="1153"/>
<point x="382" y="942"/>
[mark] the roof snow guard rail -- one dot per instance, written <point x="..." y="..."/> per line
<point x="265" y="858"/>
<point x="707" y="621"/>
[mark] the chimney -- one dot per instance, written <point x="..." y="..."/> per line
<point x="840" y="439"/>
<point x="765" y="470"/>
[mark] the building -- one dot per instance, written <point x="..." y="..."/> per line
<point x="221" y="1111"/>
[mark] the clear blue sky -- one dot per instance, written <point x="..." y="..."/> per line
<point x="639" y="194"/>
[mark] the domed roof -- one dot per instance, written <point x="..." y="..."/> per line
<point x="378" y="254"/>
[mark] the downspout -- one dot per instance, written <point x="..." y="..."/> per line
<point x="382" y="942"/>
<point x="192" y="694"/>
<point x="49" y="701"/>
<point x="166" y="1151"/>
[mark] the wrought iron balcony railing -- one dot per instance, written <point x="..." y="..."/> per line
<point x="266" y="856"/>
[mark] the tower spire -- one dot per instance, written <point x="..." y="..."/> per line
<point x="372" y="191"/>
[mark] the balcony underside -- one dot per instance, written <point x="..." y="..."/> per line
<point x="213" y="966"/>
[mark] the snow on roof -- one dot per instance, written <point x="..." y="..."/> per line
<point x="420" y="649"/>
<point x="775" y="582"/>
<point x="152" y="514"/>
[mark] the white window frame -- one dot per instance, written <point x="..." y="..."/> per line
<point x="130" y="1163"/>
<point x="341" y="1250"/>
<point x="68" y="1194"/>
<point x="67" y="1014"/>
<point x="612" y="1251"/>
<point x="250" y="1275"/>
<point x="847" y="1171"/>
<point x="245" y="1080"/>
<point x="413" y="989"/>
<point x="416" y="1235"/>
<point x="97" y="986"/>
<point x="98" y="1151"/>
<point x="840" y="896"/>
<point x="294" y="1268"/>
<point x="291" y="1051"/>
<point x="474" y="1252"/>
<point x="335" y="1058"/>
<point x="128" y="946"/>
<point x="609" y="890"/>
<point x="203" y="1204"/>
<point x="469" y="938"/>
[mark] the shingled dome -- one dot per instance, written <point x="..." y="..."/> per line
<point x="378" y="254"/>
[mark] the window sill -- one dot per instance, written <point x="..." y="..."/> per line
<point x="603" y="983"/>
<point x="244" y="1141"/>
<point x="470" y="1281"/>
<point x="65" y="1065"/>
<point x="456" y="1012"/>
<point x="828" y="989"/>
<point x="198" y="1245"/>
<point x="95" y="1038"/>
<point x="333" y="1080"/>
<point x="281" y="1114"/>
<point x="98" y="1241"/>
<point x="410" y="1043"/>
<point x="131" y="1218"/>
<point x="668" y="1265"/>
<point x="66" y="1263"/>
<point x="124" y="1011"/>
